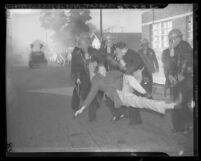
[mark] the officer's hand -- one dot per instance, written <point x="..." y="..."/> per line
<point x="191" y="105"/>
<point x="78" y="81"/>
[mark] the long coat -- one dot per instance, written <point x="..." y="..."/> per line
<point x="183" y="55"/>
<point x="79" y="68"/>
<point x="149" y="60"/>
<point x="173" y="65"/>
<point x="132" y="59"/>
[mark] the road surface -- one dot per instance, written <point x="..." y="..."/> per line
<point x="40" y="119"/>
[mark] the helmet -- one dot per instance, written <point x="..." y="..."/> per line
<point x="175" y="32"/>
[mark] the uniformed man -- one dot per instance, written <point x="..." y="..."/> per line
<point x="82" y="56"/>
<point x="108" y="48"/>
<point x="168" y="59"/>
<point x="151" y="65"/>
<point x="179" y="77"/>
<point x="127" y="61"/>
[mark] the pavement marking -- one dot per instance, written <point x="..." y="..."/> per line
<point x="65" y="91"/>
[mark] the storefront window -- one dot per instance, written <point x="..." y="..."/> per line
<point x="190" y="29"/>
<point x="160" y="35"/>
<point x="159" y="43"/>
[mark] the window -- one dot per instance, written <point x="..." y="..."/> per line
<point x="190" y="29"/>
<point x="159" y="43"/>
<point x="160" y="35"/>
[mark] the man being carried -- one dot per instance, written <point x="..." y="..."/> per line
<point x="128" y="60"/>
<point x="117" y="87"/>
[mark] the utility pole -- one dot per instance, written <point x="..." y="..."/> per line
<point x="46" y="35"/>
<point x="101" y="32"/>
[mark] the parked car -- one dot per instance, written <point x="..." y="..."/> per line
<point x="37" y="58"/>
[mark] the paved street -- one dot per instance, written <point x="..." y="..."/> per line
<point x="40" y="119"/>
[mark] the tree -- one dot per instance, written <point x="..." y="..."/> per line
<point x="66" y="24"/>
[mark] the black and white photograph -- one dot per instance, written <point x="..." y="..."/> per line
<point x="101" y="80"/>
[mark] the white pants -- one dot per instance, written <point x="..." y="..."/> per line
<point x="130" y="99"/>
<point x="130" y="83"/>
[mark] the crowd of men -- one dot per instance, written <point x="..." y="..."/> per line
<point x="178" y="69"/>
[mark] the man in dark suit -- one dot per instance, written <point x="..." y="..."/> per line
<point x="127" y="61"/>
<point x="151" y="65"/>
<point x="181" y="79"/>
<point x="81" y="57"/>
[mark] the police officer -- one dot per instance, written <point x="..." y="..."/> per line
<point x="127" y="61"/>
<point x="179" y="77"/>
<point x="81" y="58"/>
<point x="151" y="65"/>
<point x="108" y="48"/>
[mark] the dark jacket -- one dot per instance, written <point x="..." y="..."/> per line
<point x="133" y="62"/>
<point x="169" y="63"/>
<point x="183" y="54"/>
<point x="149" y="60"/>
<point x="104" y="52"/>
<point x="79" y="65"/>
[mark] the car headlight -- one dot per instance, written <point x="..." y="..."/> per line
<point x="192" y="104"/>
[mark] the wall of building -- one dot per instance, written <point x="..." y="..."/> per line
<point x="131" y="39"/>
<point x="169" y="11"/>
<point x="177" y="13"/>
<point x="180" y="23"/>
<point x="146" y="32"/>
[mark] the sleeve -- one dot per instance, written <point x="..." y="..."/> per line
<point x="134" y="62"/>
<point x="100" y="57"/>
<point x="76" y="68"/>
<point x="114" y="63"/>
<point x="73" y="65"/>
<point x="186" y="55"/>
<point x="164" y="61"/>
<point x="163" y="58"/>
<point x="155" y="59"/>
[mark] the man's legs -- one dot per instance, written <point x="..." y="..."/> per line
<point x="110" y="105"/>
<point x="147" y="82"/>
<point x="177" y="120"/>
<point x="93" y="109"/>
<point x="116" y="112"/>
<point x="180" y="116"/>
<point x="85" y="88"/>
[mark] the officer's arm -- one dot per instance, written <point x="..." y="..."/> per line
<point x="114" y="63"/>
<point x="155" y="60"/>
<point x="163" y="57"/>
<point x="134" y="62"/>
<point x="73" y="65"/>
<point x="187" y="55"/>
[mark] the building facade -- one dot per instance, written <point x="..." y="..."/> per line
<point x="157" y="23"/>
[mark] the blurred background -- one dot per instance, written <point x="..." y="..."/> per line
<point x="57" y="29"/>
<point x="39" y="117"/>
